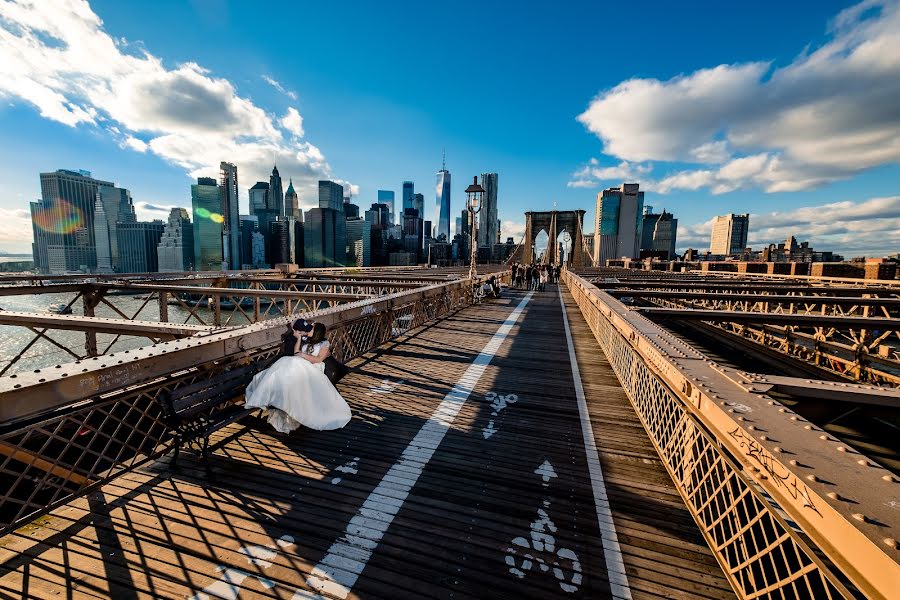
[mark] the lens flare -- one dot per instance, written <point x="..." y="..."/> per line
<point x="206" y="214"/>
<point x="59" y="217"/>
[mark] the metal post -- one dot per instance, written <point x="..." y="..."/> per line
<point x="163" y="307"/>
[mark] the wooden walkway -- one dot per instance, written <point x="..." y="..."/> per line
<point x="455" y="479"/>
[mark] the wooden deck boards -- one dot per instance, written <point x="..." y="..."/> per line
<point x="277" y="504"/>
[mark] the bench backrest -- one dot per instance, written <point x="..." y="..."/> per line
<point x="188" y="400"/>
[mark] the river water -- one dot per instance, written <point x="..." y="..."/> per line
<point x="43" y="353"/>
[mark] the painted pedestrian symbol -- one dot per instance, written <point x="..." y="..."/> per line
<point x="539" y="547"/>
<point x="386" y="387"/>
<point x="499" y="402"/>
<point x="230" y="581"/>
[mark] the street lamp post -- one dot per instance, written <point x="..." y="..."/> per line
<point x="474" y="195"/>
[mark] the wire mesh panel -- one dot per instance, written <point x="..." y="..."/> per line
<point x="762" y="555"/>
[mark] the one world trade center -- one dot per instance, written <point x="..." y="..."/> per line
<point x="442" y="204"/>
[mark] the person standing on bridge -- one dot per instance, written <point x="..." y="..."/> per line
<point x="295" y="390"/>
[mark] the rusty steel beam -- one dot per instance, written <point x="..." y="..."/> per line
<point x="844" y="503"/>
<point x="733" y="316"/>
<point x="771" y="298"/>
<point x="246" y="292"/>
<point x="816" y="389"/>
<point x="150" y="329"/>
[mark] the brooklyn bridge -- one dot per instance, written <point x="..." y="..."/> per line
<point x="621" y="434"/>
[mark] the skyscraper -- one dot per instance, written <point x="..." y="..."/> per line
<point x="387" y="197"/>
<point x="619" y="224"/>
<point x="659" y="232"/>
<point x="409" y="190"/>
<point x="419" y="204"/>
<point x="442" y="205"/>
<point x="488" y="232"/>
<point x="249" y="225"/>
<point x="208" y="225"/>
<point x="359" y="242"/>
<point x="276" y="192"/>
<point x="175" y="252"/>
<point x="259" y="197"/>
<point x="138" y="243"/>
<point x="284" y="240"/>
<point x="63" y="222"/>
<point x="729" y="234"/>
<point x="292" y="203"/>
<point x="331" y="195"/>
<point x="325" y="238"/>
<point x="231" y="227"/>
<point x="113" y="206"/>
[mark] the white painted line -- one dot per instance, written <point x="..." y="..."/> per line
<point x="338" y="571"/>
<point x="612" y="553"/>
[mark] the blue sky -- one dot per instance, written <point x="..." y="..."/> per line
<point x="786" y="110"/>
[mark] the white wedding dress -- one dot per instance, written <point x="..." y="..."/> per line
<point x="296" y="392"/>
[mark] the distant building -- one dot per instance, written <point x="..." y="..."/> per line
<point x="419" y="204"/>
<point x="63" y="222"/>
<point x="325" y="231"/>
<point x="175" y="252"/>
<point x="259" y="197"/>
<point x="276" y="192"/>
<point x="331" y="195"/>
<point x="351" y="211"/>
<point x="791" y="251"/>
<point x="249" y="224"/>
<point x="442" y="206"/>
<point x="729" y="234"/>
<point x="618" y="228"/>
<point x="286" y="247"/>
<point x="387" y="197"/>
<point x="207" y="224"/>
<point x="231" y="226"/>
<point x="409" y="193"/>
<point x="658" y="234"/>
<point x="292" y="203"/>
<point x="359" y="242"/>
<point x="114" y="205"/>
<point x="258" y="250"/>
<point x="138" y="243"/>
<point x="488" y="230"/>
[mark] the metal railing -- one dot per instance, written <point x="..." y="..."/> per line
<point x="788" y="511"/>
<point x="68" y="429"/>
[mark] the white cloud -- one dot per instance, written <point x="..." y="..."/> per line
<point x="275" y="84"/>
<point x="293" y="122"/>
<point x="16" y="230"/>
<point x="829" y="114"/>
<point x="56" y="55"/>
<point x="592" y="174"/>
<point x="513" y="229"/>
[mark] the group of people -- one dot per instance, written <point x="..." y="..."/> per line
<point x="534" y="276"/>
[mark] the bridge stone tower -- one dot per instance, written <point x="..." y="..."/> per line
<point x="554" y="222"/>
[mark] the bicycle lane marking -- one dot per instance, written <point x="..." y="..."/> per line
<point x="340" y="568"/>
<point x="612" y="552"/>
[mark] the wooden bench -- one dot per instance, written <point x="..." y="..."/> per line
<point x="197" y="410"/>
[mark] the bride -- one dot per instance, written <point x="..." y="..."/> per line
<point x="295" y="390"/>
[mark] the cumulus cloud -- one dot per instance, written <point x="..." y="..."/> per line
<point x="593" y="174"/>
<point x="16" y="231"/>
<point x="870" y="227"/>
<point x="275" y="84"/>
<point x="293" y="122"/>
<point x="57" y="56"/>
<point x="829" y="114"/>
<point x="513" y="229"/>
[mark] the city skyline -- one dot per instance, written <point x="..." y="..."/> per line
<point x="820" y="179"/>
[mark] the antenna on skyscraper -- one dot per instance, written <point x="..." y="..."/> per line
<point x="443" y="159"/>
